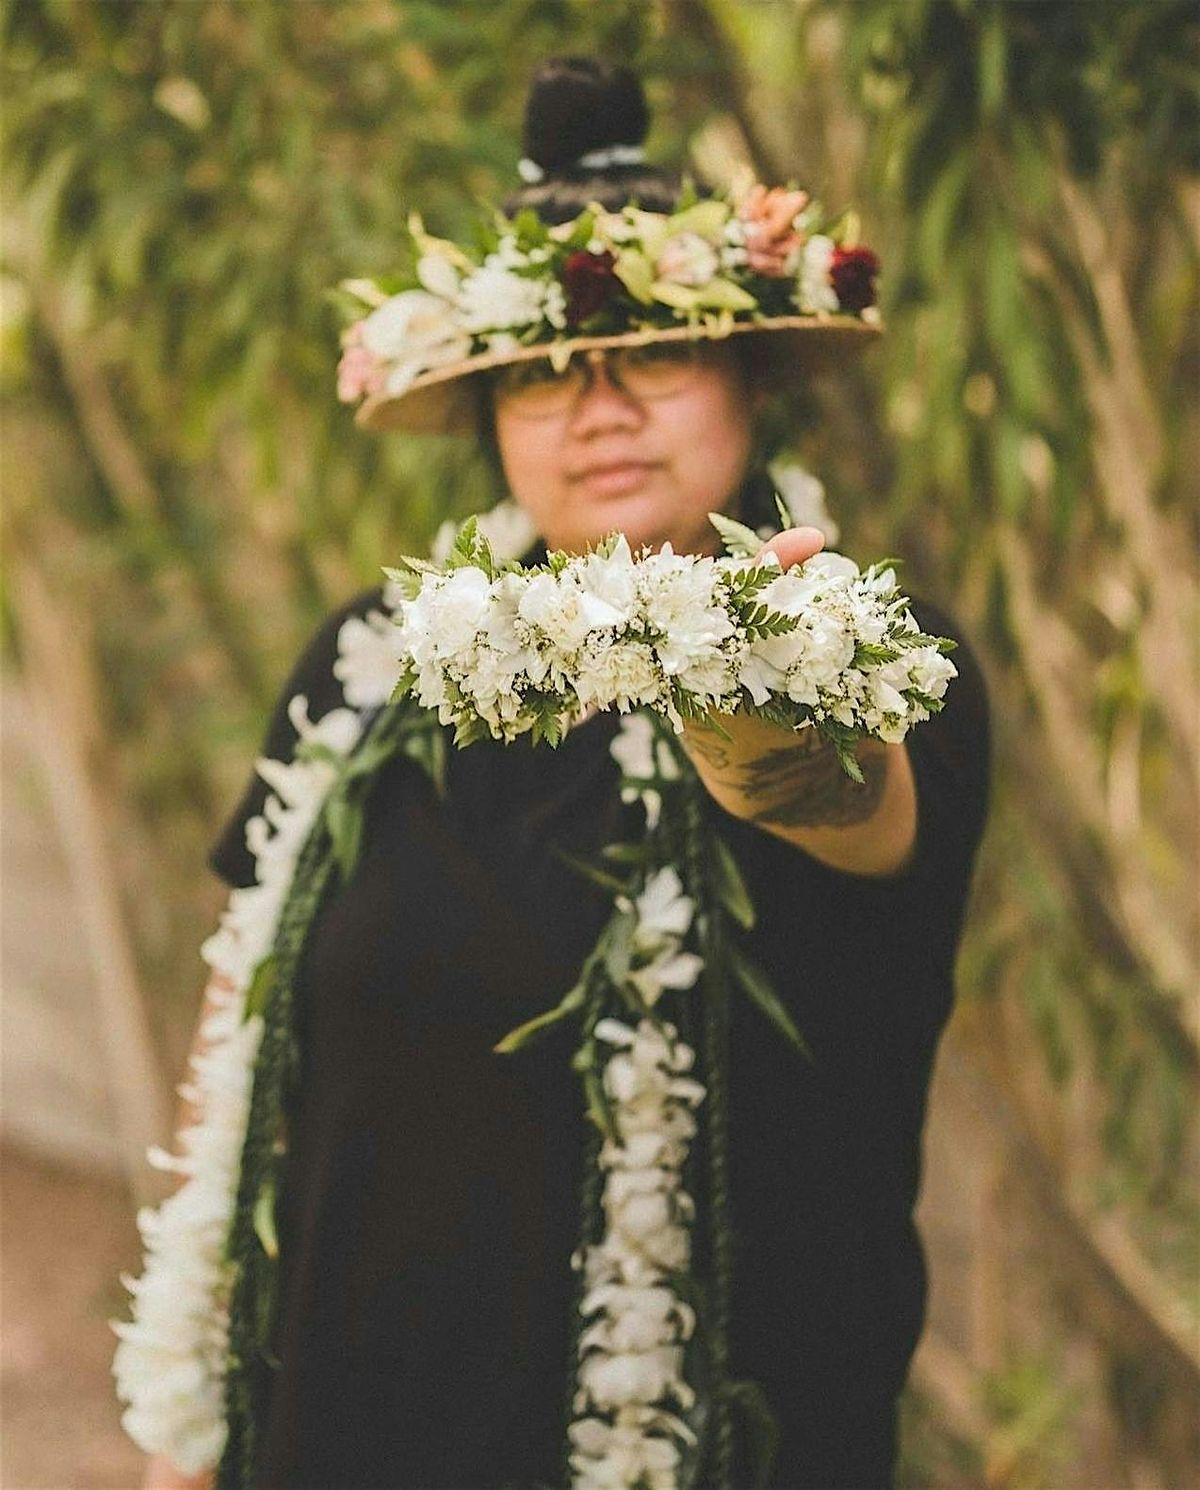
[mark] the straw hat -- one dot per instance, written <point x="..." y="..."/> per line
<point x="599" y="250"/>
<point x="442" y="401"/>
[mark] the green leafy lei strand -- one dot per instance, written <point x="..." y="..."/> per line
<point x="250" y="1307"/>
<point x="252" y="1248"/>
<point x="591" y="1191"/>
<point x="716" y="1062"/>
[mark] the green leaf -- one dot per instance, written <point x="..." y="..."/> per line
<point x="707" y="218"/>
<point x="844" y="745"/>
<point x="598" y="876"/>
<point x="547" y="726"/>
<point x="758" y="986"/>
<point x="523" y="1033"/>
<point x="404" y="684"/>
<point x="428" y="748"/>
<point x="873" y="652"/>
<point x="599" y="1109"/>
<point x="913" y="639"/>
<point x="344" y="820"/>
<point x="731" y="887"/>
<point x="529" y="228"/>
<point x="624" y="853"/>
<point x="635" y="273"/>
<point x="617" y="944"/>
<point x="762" y="1427"/>
<point x="723" y="294"/>
<point x="993" y="47"/>
<point x="264" y="1219"/>
<point x="739" y="540"/>
<point x="261" y="986"/>
<point x="678" y="297"/>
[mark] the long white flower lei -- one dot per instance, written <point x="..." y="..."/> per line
<point x="170" y="1363"/>
<point x="631" y="1349"/>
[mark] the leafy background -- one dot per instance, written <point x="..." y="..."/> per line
<point x="184" y="500"/>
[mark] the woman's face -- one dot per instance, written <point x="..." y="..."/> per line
<point x="646" y="443"/>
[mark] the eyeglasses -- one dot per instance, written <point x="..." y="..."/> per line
<point x="533" y="390"/>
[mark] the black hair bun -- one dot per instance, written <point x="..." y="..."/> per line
<point x="580" y="104"/>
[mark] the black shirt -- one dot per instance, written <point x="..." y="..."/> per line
<point x="430" y="1196"/>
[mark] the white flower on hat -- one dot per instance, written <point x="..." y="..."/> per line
<point x="687" y="259"/>
<point x="814" y="289"/>
<point x="495" y="298"/>
<point x="439" y="275"/>
<point x="414" y="332"/>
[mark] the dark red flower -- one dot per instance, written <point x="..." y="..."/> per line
<point x="589" y="283"/>
<point x="852" y="272"/>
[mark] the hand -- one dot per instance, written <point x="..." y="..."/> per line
<point x="792" y="784"/>
<point x="161" y="1474"/>
<point x="794" y="545"/>
<point x="747" y="734"/>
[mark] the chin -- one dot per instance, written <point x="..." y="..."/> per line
<point x="640" y="516"/>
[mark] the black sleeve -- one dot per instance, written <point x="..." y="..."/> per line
<point x="313" y="677"/>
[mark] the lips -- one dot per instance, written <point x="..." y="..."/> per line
<point x="614" y="475"/>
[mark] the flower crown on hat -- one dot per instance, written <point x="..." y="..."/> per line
<point x="760" y="259"/>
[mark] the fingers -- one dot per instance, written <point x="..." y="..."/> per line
<point x="794" y="545"/>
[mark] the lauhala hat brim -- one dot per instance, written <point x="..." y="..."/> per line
<point x="443" y="400"/>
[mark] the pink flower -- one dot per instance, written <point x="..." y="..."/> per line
<point x="772" y="241"/>
<point x="359" y="371"/>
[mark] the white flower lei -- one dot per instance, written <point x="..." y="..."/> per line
<point x="170" y="1362"/>
<point x="502" y="650"/>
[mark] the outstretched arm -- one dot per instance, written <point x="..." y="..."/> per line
<point x="793" y="785"/>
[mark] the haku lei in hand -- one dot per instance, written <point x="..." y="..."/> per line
<point x="500" y="650"/>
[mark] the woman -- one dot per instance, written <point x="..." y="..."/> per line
<point x="429" y="1200"/>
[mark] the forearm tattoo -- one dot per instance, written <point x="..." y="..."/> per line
<point x="807" y="788"/>
<point x="801" y="785"/>
<point x="710" y="748"/>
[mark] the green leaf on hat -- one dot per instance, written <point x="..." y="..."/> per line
<point x="634" y="271"/>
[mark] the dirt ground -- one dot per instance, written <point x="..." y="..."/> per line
<point x="64" y="1240"/>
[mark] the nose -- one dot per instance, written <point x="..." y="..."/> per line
<point x="603" y="404"/>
